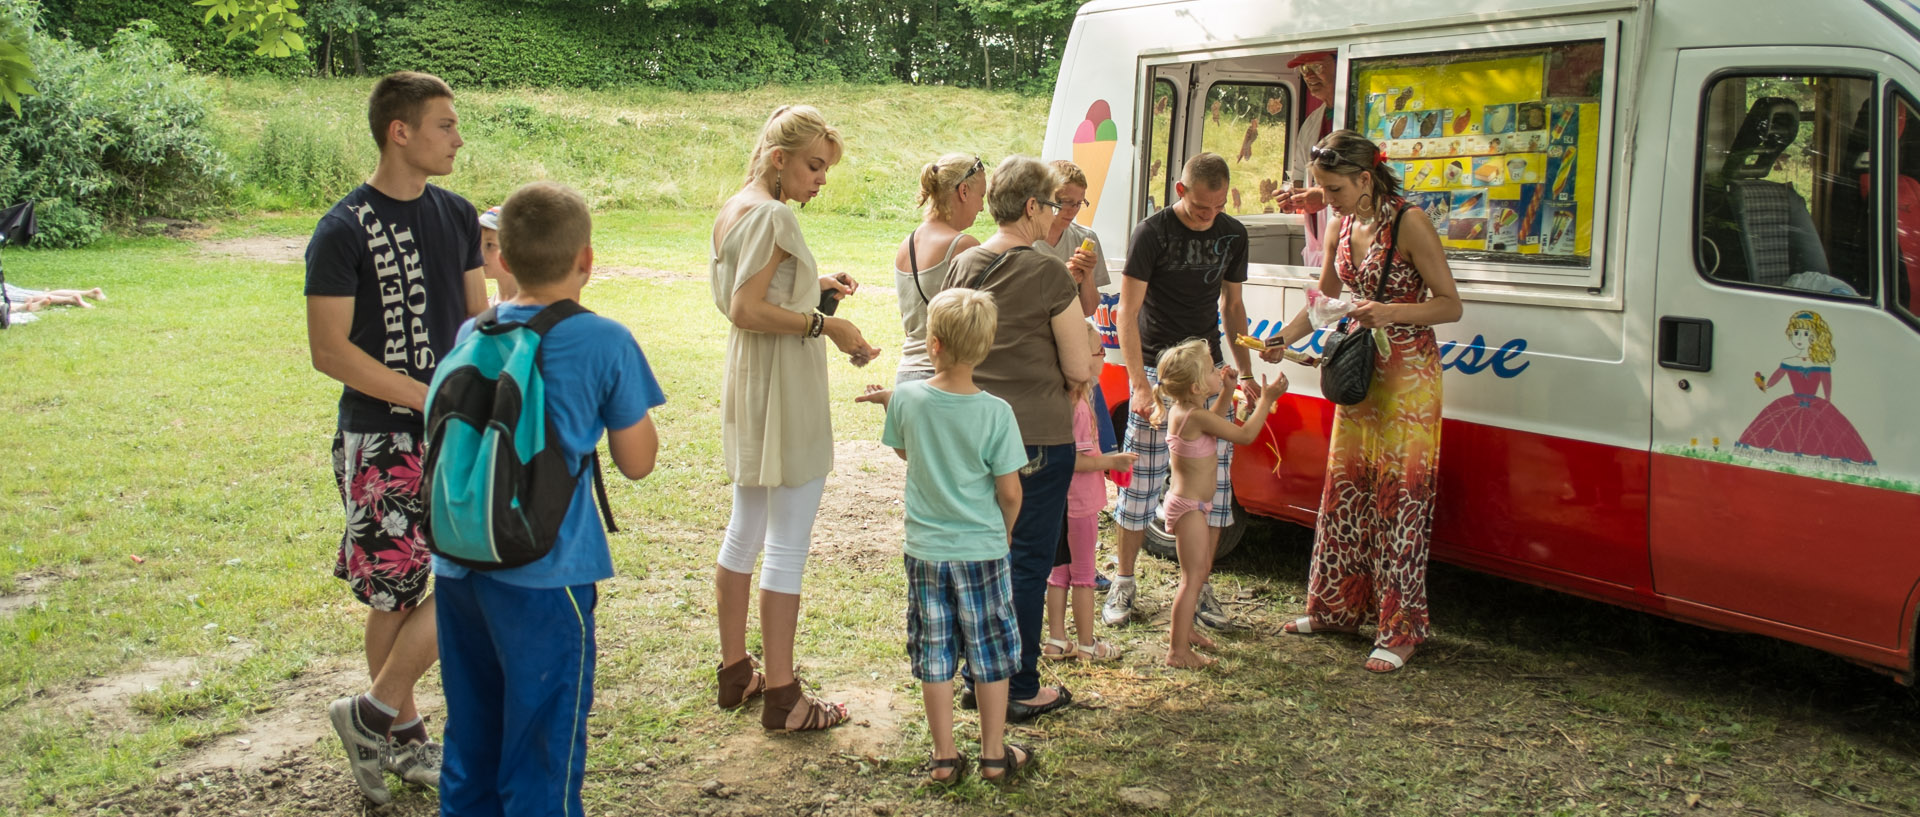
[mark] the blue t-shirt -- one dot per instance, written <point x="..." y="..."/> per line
<point x="956" y="445"/>
<point x="596" y="379"/>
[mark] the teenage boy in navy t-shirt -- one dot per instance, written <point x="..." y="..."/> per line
<point x="392" y="270"/>
<point x="517" y="645"/>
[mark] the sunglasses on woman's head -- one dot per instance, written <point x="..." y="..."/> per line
<point x="1326" y="156"/>
<point x="978" y="166"/>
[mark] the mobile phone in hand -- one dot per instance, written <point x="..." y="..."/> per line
<point x="829" y="303"/>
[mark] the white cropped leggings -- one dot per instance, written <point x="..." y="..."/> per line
<point x="776" y="519"/>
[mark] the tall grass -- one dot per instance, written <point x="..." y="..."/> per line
<point x="304" y="144"/>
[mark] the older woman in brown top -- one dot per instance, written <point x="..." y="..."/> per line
<point x="1039" y="351"/>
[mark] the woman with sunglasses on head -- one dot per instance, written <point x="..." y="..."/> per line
<point x="952" y="192"/>
<point x="1370" y="543"/>
<point x="1039" y="353"/>
<point x="1064" y="238"/>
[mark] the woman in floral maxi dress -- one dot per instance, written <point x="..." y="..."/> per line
<point x="1370" y="544"/>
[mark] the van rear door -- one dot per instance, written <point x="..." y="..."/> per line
<point x="1786" y="468"/>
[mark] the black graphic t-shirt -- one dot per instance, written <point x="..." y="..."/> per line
<point x="1183" y="270"/>
<point x="404" y="263"/>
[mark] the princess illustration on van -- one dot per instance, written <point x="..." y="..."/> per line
<point x="1804" y="428"/>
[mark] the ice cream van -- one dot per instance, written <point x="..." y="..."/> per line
<point x="1688" y="239"/>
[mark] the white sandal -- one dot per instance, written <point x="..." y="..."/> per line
<point x="1099" y="651"/>
<point x="1388" y="656"/>
<point x="1065" y="647"/>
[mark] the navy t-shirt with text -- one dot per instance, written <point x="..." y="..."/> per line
<point x="404" y="263"/>
<point x="1183" y="270"/>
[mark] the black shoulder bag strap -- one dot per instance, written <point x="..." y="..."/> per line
<point x="913" y="263"/>
<point x="541" y="324"/>
<point x="982" y="277"/>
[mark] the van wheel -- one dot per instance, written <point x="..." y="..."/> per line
<point x="1160" y="543"/>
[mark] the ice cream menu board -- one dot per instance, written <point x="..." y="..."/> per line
<point x="1497" y="147"/>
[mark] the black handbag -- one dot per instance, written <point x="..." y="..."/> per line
<point x="1346" y="367"/>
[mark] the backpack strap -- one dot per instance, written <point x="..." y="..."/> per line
<point x="592" y="462"/>
<point x="554" y="313"/>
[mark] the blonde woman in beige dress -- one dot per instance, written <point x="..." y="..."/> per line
<point x="776" y="432"/>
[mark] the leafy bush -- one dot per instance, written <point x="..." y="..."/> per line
<point x="181" y="24"/>
<point x="296" y="163"/>
<point x="112" y="135"/>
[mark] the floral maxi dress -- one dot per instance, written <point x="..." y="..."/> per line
<point x="1376" y="514"/>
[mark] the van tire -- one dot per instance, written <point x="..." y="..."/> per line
<point x="1160" y="543"/>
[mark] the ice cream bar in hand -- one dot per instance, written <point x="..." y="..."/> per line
<point x="1086" y="245"/>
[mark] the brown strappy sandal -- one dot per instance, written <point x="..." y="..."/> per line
<point x="1012" y="759"/>
<point x="740" y="682"/>
<point x="787" y="703"/>
<point x="955" y="766"/>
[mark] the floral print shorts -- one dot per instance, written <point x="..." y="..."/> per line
<point x="383" y="554"/>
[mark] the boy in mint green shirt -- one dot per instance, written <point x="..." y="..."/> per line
<point x="963" y="452"/>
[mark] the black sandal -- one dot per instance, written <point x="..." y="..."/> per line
<point x="958" y="763"/>
<point x="1009" y="763"/>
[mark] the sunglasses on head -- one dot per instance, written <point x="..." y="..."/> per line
<point x="978" y="167"/>
<point x="1327" y="157"/>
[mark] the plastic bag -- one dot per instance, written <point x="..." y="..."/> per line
<point x="1322" y="311"/>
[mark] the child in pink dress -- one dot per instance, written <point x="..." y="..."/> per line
<point x="1085" y="497"/>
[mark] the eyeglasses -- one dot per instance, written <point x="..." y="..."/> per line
<point x="1313" y="69"/>
<point x="978" y="167"/>
<point x="1074" y="205"/>
<point x="1053" y="204"/>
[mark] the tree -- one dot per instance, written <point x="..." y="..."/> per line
<point x="16" y="67"/>
<point x="274" y="23"/>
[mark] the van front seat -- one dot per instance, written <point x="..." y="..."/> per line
<point x="1777" y="237"/>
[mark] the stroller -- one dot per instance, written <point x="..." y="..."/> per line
<point x="16" y="227"/>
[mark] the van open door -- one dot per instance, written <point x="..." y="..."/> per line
<point x="1786" y="466"/>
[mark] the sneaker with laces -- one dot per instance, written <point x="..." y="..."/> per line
<point x="416" y="763"/>
<point x="364" y="749"/>
<point x="1119" y="607"/>
<point x="1209" y="612"/>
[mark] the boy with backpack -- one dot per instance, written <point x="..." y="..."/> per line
<point x="517" y="540"/>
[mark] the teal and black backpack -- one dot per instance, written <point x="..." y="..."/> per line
<point x="498" y="484"/>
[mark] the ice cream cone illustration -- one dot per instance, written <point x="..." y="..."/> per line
<point x="1093" y="144"/>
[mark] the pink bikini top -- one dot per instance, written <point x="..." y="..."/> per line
<point x="1205" y="445"/>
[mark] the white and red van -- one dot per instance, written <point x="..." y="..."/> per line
<point x="1688" y="239"/>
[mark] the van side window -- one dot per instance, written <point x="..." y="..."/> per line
<point x="1785" y="197"/>
<point x="1903" y="280"/>
<point x="1159" y="145"/>
<point x="1501" y="147"/>
<point x="1247" y="124"/>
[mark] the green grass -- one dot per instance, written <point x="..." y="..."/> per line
<point x="623" y="149"/>
<point x="181" y="423"/>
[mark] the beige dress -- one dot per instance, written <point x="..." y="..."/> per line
<point x="775" y="427"/>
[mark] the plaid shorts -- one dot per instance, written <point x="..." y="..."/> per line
<point x="1140" y="501"/>
<point x="383" y="554"/>
<point x="956" y="606"/>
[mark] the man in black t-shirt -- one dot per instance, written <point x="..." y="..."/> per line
<point x="392" y="272"/>
<point x="1185" y="265"/>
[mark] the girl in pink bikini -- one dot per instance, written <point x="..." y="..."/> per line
<point x="1194" y="434"/>
<point x="1804" y="427"/>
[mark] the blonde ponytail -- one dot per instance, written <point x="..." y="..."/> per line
<point x="938" y="181"/>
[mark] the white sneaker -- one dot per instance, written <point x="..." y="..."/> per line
<point x="365" y="749"/>
<point x="1209" y="612"/>
<point x="1119" y="606"/>
<point x="416" y="763"/>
